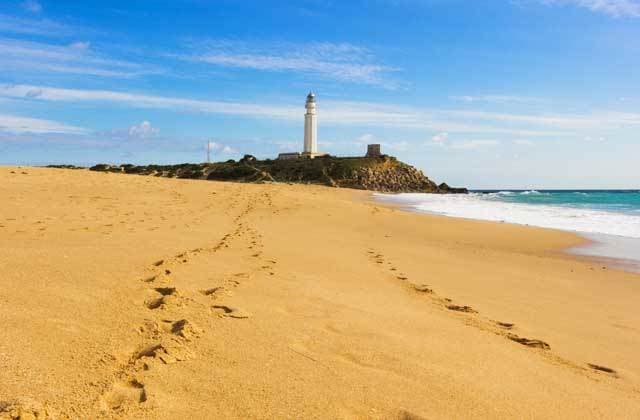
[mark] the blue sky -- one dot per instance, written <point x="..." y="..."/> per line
<point x="485" y="94"/>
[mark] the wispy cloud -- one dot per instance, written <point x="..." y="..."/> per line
<point x="366" y="139"/>
<point x="394" y="145"/>
<point x="351" y="113"/>
<point x="32" y="6"/>
<point x="606" y="119"/>
<point x="44" y="27"/>
<point x="344" y="62"/>
<point x="595" y="139"/>
<point x="287" y="146"/>
<point x="79" y="45"/>
<point x="75" y="58"/>
<point x="18" y="125"/>
<point x="521" y="142"/>
<point x="473" y="144"/>
<point x="444" y="140"/>
<point x="498" y="99"/>
<point x="616" y="8"/>
<point x="147" y="101"/>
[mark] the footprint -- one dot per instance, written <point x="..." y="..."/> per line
<point x="182" y="328"/>
<point x="603" y="369"/>
<point x="539" y="344"/>
<point x="458" y="308"/>
<point x="158" y="263"/>
<point x="229" y="311"/>
<point x="169" y="353"/>
<point x="150" y="279"/>
<point x="24" y="408"/>
<point x="155" y="303"/>
<point x="422" y="288"/>
<point x="166" y="291"/>
<point x="505" y="325"/>
<point x="212" y="291"/>
<point x="407" y="415"/>
<point x="124" y="393"/>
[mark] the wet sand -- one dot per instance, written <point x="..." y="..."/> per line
<point x="124" y="296"/>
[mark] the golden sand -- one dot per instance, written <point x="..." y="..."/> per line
<point x="124" y="296"/>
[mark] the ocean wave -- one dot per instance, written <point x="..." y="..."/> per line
<point x="474" y="206"/>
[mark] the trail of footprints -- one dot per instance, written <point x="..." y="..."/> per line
<point x="497" y="327"/>
<point x="169" y="340"/>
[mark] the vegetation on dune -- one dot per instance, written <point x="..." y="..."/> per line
<point x="384" y="173"/>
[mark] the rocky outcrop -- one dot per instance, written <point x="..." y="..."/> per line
<point x="384" y="173"/>
<point x="391" y="178"/>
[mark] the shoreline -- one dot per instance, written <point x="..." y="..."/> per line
<point x="600" y="248"/>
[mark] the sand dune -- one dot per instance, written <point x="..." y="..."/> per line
<point x="139" y="297"/>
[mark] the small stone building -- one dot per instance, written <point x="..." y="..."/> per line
<point x="373" y="150"/>
<point x="289" y="156"/>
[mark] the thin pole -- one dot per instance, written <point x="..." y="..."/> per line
<point x="208" y="152"/>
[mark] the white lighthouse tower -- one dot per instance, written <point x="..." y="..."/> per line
<point x="310" y="128"/>
<point x="310" y="149"/>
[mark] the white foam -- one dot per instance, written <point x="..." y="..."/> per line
<point x="473" y="206"/>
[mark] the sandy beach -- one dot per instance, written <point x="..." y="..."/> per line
<point x="125" y="296"/>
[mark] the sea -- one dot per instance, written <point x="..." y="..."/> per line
<point x="610" y="219"/>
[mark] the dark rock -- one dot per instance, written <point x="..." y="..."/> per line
<point x="248" y="158"/>
<point x="446" y="189"/>
<point x="65" y="167"/>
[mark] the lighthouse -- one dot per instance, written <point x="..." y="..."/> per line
<point x="310" y="148"/>
<point x="310" y="127"/>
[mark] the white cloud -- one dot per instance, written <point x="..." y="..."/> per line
<point x="474" y="144"/>
<point x="19" y="125"/>
<point x="32" y="6"/>
<point x="144" y="130"/>
<point x="25" y="56"/>
<point x="137" y="132"/>
<point x="440" y="138"/>
<point x="222" y="148"/>
<point x="616" y="8"/>
<point x="352" y="113"/>
<point x="344" y="62"/>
